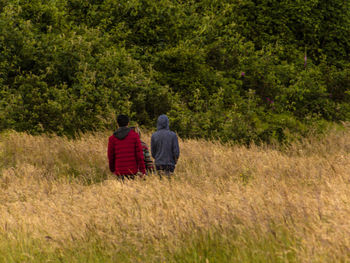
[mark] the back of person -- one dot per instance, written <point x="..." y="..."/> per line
<point x="146" y="155"/>
<point x="164" y="146"/>
<point x="125" y="152"/>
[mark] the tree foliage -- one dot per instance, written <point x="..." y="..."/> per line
<point x="242" y="70"/>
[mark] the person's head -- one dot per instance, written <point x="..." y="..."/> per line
<point x="163" y="122"/>
<point x="123" y="120"/>
<point x="137" y="130"/>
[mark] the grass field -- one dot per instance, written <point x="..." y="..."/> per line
<point x="59" y="203"/>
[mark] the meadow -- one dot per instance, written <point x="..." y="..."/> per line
<point x="268" y="203"/>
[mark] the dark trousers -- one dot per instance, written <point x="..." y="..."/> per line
<point x="165" y="170"/>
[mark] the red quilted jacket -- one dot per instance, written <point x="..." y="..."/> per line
<point x="125" y="152"/>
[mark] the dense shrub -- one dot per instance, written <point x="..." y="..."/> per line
<point x="232" y="70"/>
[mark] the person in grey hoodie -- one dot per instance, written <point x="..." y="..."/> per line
<point x="164" y="146"/>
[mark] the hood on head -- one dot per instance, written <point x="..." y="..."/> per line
<point x="122" y="132"/>
<point x="163" y="122"/>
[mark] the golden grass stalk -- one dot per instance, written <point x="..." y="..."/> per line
<point x="59" y="190"/>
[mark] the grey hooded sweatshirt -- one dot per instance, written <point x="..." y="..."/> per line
<point x="164" y="143"/>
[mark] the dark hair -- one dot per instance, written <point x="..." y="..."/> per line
<point x="123" y="120"/>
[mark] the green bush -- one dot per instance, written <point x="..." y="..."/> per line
<point x="231" y="70"/>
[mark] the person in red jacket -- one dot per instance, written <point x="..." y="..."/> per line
<point x="125" y="152"/>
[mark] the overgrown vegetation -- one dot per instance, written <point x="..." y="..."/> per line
<point x="223" y="204"/>
<point x="235" y="70"/>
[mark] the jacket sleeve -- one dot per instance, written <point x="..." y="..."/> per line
<point x="111" y="155"/>
<point x="175" y="148"/>
<point x="139" y="155"/>
<point x="148" y="160"/>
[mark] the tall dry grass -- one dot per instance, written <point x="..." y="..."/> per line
<point x="255" y="204"/>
